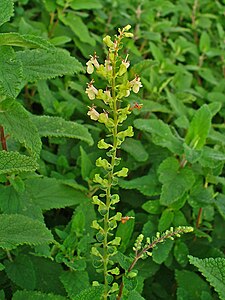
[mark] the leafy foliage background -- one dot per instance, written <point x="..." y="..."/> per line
<point x="176" y="159"/>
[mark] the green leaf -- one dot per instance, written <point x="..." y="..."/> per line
<point x="125" y="231"/>
<point x="17" y="230"/>
<point x="148" y="185"/>
<point x="199" y="128"/>
<point x="201" y="196"/>
<point x="175" y="181"/>
<point x="134" y="295"/>
<point x="204" y="43"/>
<point x="141" y="66"/>
<point x="2" y="267"/>
<point x="41" y="64"/>
<point x="136" y="149"/>
<point x="207" y="74"/>
<point x="161" y="134"/>
<point x="165" y="220"/>
<point x="13" y="202"/>
<point x="50" y="193"/>
<point x="14" y="162"/>
<point x="10" y="72"/>
<point x="47" y="98"/>
<point x="87" y="4"/>
<point x="86" y="165"/>
<point x="123" y="260"/>
<point x="213" y="269"/>
<point x="25" y="40"/>
<point x="78" y="27"/>
<point x="58" y="127"/>
<point x="152" y="207"/>
<point x="92" y="293"/>
<point x="6" y="11"/>
<point x="74" y="282"/>
<point x="156" y="52"/>
<point x="45" y="273"/>
<point x="31" y="295"/>
<point x="181" y="252"/>
<point x="161" y="252"/>
<point x="192" y="283"/>
<point x="40" y="194"/>
<point x="220" y="204"/>
<point x="16" y="121"/>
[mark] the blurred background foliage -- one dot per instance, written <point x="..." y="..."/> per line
<point x="176" y="159"/>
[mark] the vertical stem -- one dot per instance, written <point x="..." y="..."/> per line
<point x="198" y="221"/>
<point x="110" y="178"/>
<point x="3" y="139"/>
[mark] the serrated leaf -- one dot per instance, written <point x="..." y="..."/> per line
<point x="175" y="181"/>
<point x="199" y="128"/>
<point x="14" y="162"/>
<point x="213" y="269"/>
<point x="10" y="72"/>
<point x="40" y="64"/>
<point x="6" y="11"/>
<point x="58" y="127"/>
<point x="136" y="149"/>
<point x="24" y="40"/>
<point x="92" y="293"/>
<point x="18" y="230"/>
<point x="16" y="120"/>
<point x="40" y="194"/>
<point x="161" y="134"/>
<point x="50" y="193"/>
<point x="33" y="295"/>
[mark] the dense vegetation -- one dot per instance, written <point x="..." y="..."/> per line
<point x="50" y="166"/>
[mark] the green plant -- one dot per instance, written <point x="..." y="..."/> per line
<point x="175" y="157"/>
<point x="114" y="71"/>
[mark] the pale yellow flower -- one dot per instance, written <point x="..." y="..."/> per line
<point x="136" y="84"/>
<point x="91" y="91"/>
<point x="94" y="115"/>
<point x="91" y="63"/>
